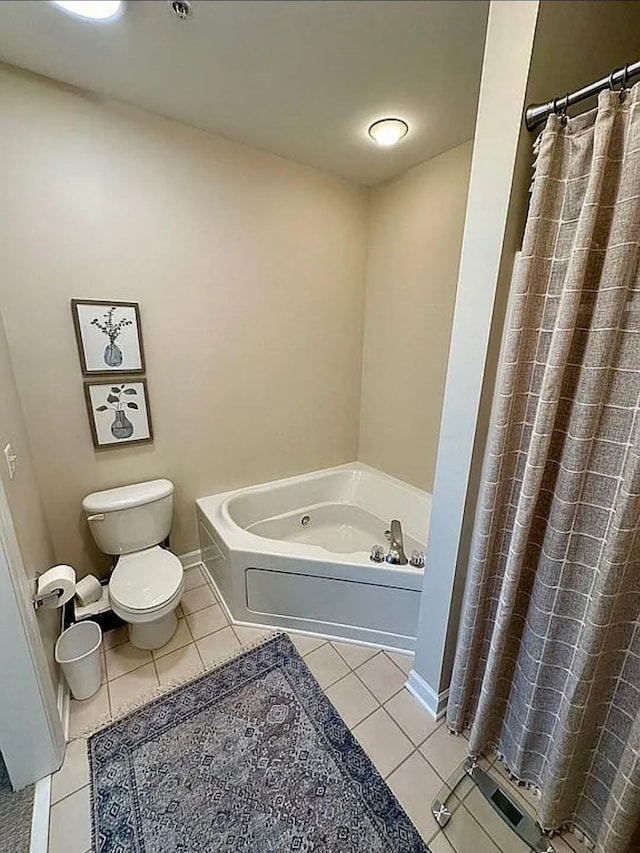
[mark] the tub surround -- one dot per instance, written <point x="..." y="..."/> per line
<point x="294" y="554"/>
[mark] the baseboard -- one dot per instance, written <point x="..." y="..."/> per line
<point x="434" y="703"/>
<point x="64" y="707"/>
<point x="42" y="791"/>
<point x="40" y="816"/>
<point x="190" y="560"/>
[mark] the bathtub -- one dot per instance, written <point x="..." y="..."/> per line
<point x="294" y="554"/>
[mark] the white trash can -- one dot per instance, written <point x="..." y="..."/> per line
<point x="78" y="653"/>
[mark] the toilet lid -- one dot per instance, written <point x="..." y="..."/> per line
<point x="146" y="580"/>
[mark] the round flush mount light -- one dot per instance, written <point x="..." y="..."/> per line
<point x="388" y="131"/>
<point x="91" y="10"/>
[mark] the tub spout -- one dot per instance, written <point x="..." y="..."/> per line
<point x="396" y="555"/>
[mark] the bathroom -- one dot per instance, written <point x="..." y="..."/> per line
<point x="306" y="301"/>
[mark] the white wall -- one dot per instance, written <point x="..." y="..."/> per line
<point x="414" y="240"/>
<point x="249" y="270"/>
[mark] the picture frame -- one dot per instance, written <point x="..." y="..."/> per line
<point x="119" y="412"/>
<point x="108" y="336"/>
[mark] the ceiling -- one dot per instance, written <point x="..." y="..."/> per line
<point x="300" y="78"/>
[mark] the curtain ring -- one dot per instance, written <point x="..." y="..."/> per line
<point x="625" y="80"/>
<point x="560" y="106"/>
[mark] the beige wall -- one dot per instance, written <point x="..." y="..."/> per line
<point x="249" y="270"/>
<point x="414" y="239"/>
<point x="23" y="496"/>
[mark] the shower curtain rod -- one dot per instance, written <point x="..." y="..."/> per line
<point x="535" y="114"/>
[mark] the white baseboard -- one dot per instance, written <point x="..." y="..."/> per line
<point x="190" y="560"/>
<point x="40" y="816"/>
<point x="64" y="707"/>
<point x="434" y="703"/>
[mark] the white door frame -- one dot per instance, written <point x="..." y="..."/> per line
<point x="31" y="736"/>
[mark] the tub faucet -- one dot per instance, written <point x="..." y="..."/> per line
<point x="396" y="555"/>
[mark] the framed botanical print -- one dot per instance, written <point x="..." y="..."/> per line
<point x="109" y="336"/>
<point x="119" y="413"/>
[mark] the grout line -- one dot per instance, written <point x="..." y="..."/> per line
<point x="404" y="761"/>
<point x="344" y="658"/>
<point x="129" y="671"/>
<point x="401" y="671"/>
<point x="70" y="794"/>
<point x="393" y="769"/>
<point x="109" y="700"/>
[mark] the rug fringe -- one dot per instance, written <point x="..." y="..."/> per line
<point x="191" y="674"/>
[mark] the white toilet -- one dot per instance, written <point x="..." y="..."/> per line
<point x="147" y="581"/>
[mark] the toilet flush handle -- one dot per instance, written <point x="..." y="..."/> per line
<point x="99" y="516"/>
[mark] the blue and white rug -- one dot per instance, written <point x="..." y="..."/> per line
<point x="249" y="758"/>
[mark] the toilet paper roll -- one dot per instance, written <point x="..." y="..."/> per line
<point x="61" y="579"/>
<point x="88" y="590"/>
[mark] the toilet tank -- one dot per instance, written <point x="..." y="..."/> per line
<point x="130" y="518"/>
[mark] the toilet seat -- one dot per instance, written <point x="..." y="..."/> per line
<point x="146" y="585"/>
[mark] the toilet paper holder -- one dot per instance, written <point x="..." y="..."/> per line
<point x="39" y="600"/>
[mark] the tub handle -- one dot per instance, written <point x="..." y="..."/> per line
<point x="99" y="516"/>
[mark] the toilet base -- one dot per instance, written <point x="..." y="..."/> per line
<point x="155" y="634"/>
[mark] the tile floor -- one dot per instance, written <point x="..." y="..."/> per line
<point x="413" y="752"/>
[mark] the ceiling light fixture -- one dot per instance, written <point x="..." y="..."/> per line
<point x="91" y="10"/>
<point x="388" y="131"/>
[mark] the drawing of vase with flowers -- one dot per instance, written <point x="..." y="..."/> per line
<point x="112" y="329"/>
<point x="121" y="427"/>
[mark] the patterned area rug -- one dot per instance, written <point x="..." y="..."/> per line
<point x="250" y="758"/>
<point x="16" y="808"/>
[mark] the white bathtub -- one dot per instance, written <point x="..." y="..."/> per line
<point x="294" y="554"/>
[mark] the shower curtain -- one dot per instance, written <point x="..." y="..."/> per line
<point x="548" y="660"/>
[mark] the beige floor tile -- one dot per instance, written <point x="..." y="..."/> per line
<point x="74" y="773"/>
<point x="305" y="644"/>
<point x="354" y="654"/>
<point x="439" y="844"/>
<point x="125" y="658"/>
<point x="464" y="833"/>
<point x="405" y="662"/>
<point x="132" y="686"/>
<point x="218" y="646"/>
<point x="103" y="667"/>
<point x="251" y="635"/>
<point x="383" y="741"/>
<point x="415" y="783"/>
<point x="382" y="677"/>
<point x="411" y="717"/>
<point x="115" y="637"/>
<point x="88" y="712"/>
<point x="182" y="637"/>
<point x="326" y="665"/>
<point x="206" y="621"/>
<point x="179" y="664"/>
<point x="351" y="699"/>
<point x="444" y="751"/>
<point x="197" y="599"/>
<point x="194" y="578"/>
<point x="70" y="824"/>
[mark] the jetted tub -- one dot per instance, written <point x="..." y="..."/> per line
<point x="294" y="554"/>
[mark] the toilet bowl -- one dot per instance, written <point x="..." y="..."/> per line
<point x="144" y="590"/>
<point x="147" y="581"/>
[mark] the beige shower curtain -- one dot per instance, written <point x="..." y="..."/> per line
<point x="548" y="660"/>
